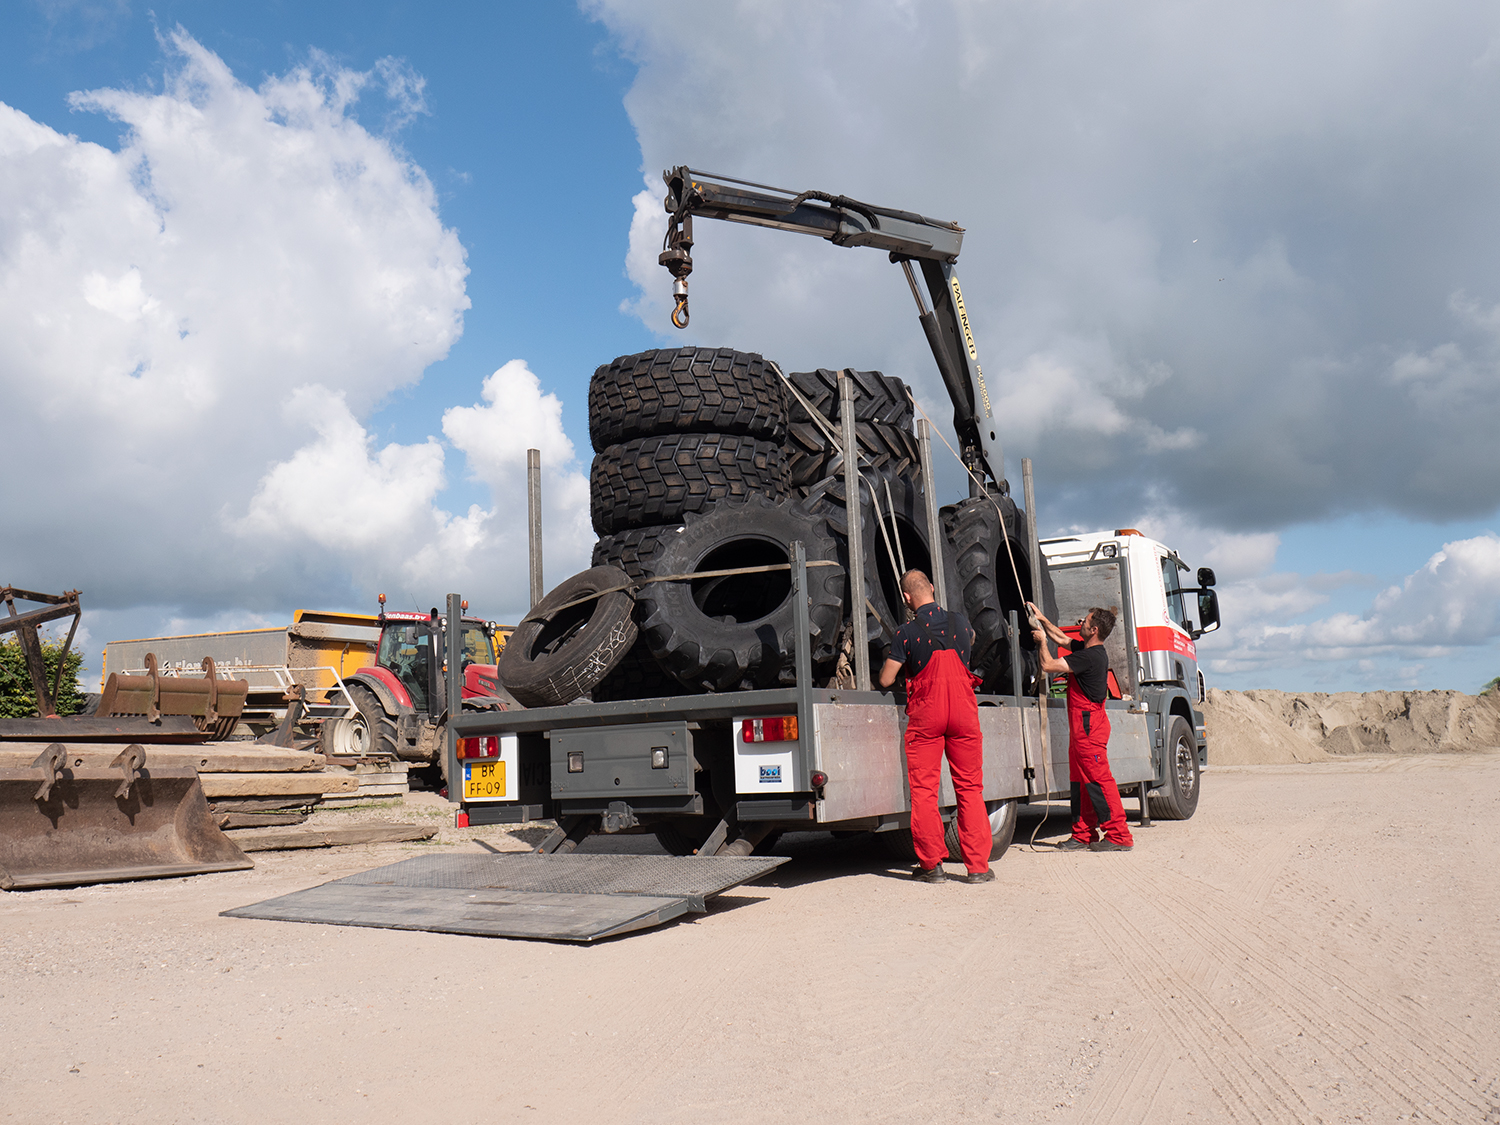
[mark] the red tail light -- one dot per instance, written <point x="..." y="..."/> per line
<point x="780" y="729"/>
<point x="485" y="746"/>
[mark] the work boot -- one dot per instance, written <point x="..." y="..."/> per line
<point x="1073" y="844"/>
<point x="930" y="874"/>
<point x="1108" y="845"/>
<point x="985" y="876"/>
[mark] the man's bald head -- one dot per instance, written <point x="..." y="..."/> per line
<point x="917" y="587"/>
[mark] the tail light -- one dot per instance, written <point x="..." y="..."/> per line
<point x="485" y="746"/>
<point x="818" y="779"/>
<point x="780" y="729"/>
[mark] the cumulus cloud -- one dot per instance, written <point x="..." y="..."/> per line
<point x="1213" y="254"/>
<point x="193" y="329"/>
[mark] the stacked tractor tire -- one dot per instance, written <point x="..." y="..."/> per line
<point x="704" y="463"/>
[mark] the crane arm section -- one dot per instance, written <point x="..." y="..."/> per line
<point x="933" y="245"/>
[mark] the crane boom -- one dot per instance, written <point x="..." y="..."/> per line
<point x="933" y="245"/>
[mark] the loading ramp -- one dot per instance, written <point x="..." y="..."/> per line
<point x="557" y="897"/>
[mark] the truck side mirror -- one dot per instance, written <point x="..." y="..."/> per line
<point x="1206" y="576"/>
<point x="1208" y="610"/>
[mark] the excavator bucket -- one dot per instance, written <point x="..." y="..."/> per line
<point x="64" y="823"/>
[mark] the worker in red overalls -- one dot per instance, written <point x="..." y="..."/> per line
<point x="942" y="716"/>
<point x="1087" y="669"/>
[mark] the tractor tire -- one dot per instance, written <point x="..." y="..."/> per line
<point x="882" y="425"/>
<point x="686" y="390"/>
<point x="737" y="632"/>
<point x="638" y="676"/>
<point x="635" y="551"/>
<point x="370" y="727"/>
<point x="986" y="589"/>
<point x="560" y="652"/>
<point x="903" y="512"/>
<point x="1002" y="830"/>
<point x="659" y="480"/>
<point x="1179" y="792"/>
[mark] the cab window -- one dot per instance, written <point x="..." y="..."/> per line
<point x="1176" y="610"/>
<point x="477" y="647"/>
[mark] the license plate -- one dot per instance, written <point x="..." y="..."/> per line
<point x="484" y="781"/>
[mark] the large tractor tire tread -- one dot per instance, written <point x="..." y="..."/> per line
<point x="738" y="632"/>
<point x="561" y="651"/>
<point x="686" y="390"/>
<point x="659" y="480"/>
<point x="380" y="728"/>
<point x="635" y="551"/>
<point x="883" y="418"/>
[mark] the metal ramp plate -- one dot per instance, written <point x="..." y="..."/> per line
<point x="524" y="895"/>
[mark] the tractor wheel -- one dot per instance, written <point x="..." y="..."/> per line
<point x="561" y="651"/>
<point x="985" y="587"/>
<point x="737" y="632"/>
<point x="686" y="390"/>
<point x="882" y="425"/>
<point x="659" y="480"/>
<point x="369" y="730"/>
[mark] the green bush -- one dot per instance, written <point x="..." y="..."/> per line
<point x="17" y="700"/>
<point x="1491" y="686"/>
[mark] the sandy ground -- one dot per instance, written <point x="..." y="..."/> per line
<point x="1318" y="944"/>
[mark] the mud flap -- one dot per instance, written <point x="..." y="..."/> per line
<point x="62" y="825"/>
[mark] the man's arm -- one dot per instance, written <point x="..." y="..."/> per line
<point x="1052" y="665"/>
<point x="1057" y="635"/>
<point x="889" y="671"/>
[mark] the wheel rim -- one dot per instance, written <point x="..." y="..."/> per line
<point x="351" y="736"/>
<point x="1187" y="763"/>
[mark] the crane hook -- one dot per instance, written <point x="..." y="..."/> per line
<point x="680" y="312"/>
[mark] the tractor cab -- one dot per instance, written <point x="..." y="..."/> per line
<point x="413" y="648"/>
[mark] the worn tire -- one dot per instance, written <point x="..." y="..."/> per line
<point x="882" y="574"/>
<point x="882" y="425"/>
<point x="659" y="480"/>
<point x="1180" y="789"/>
<point x="686" y="390"/>
<point x="380" y="728"/>
<point x="733" y="633"/>
<point x="1003" y="817"/>
<point x="556" y="654"/>
<point x="986" y="588"/>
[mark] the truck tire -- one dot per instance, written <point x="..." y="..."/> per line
<point x="737" y="632"/>
<point x="379" y="729"/>
<point x="686" y="390"/>
<point x="1180" y="788"/>
<point x="560" y="652"/>
<point x="659" y="480"/>
<point x="986" y="588"/>
<point x="882" y="425"/>
<point x="1002" y="830"/>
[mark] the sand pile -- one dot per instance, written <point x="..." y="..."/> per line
<point x="1258" y="727"/>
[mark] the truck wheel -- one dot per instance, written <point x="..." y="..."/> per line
<point x="561" y="651"/>
<point x="686" y="390"/>
<point x="882" y="425"/>
<point x="1179" y="791"/>
<point x="981" y="566"/>
<point x="736" y="632"/>
<point x="658" y="480"/>
<point x="370" y="727"/>
<point x="1002" y="830"/>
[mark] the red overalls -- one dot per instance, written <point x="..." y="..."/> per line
<point x="942" y="713"/>
<point x="1088" y="770"/>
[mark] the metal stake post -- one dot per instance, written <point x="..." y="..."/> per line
<point x="852" y="504"/>
<point x="453" y="682"/>
<point x="934" y="525"/>
<point x="534" y="520"/>
<point x="1043" y="681"/>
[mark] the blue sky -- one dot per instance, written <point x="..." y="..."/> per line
<point x="1240" y="289"/>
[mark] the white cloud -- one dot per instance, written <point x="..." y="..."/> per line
<point x="177" y="318"/>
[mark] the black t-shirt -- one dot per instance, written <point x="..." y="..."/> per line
<point x="914" y="646"/>
<point x="1090" y="668"/>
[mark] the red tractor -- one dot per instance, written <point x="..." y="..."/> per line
<point x="401" y="698"/>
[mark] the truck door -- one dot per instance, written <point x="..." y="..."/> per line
<point x="1168" y="654"/>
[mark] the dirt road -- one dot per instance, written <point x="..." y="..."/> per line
<point x="1321" y="943"/>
